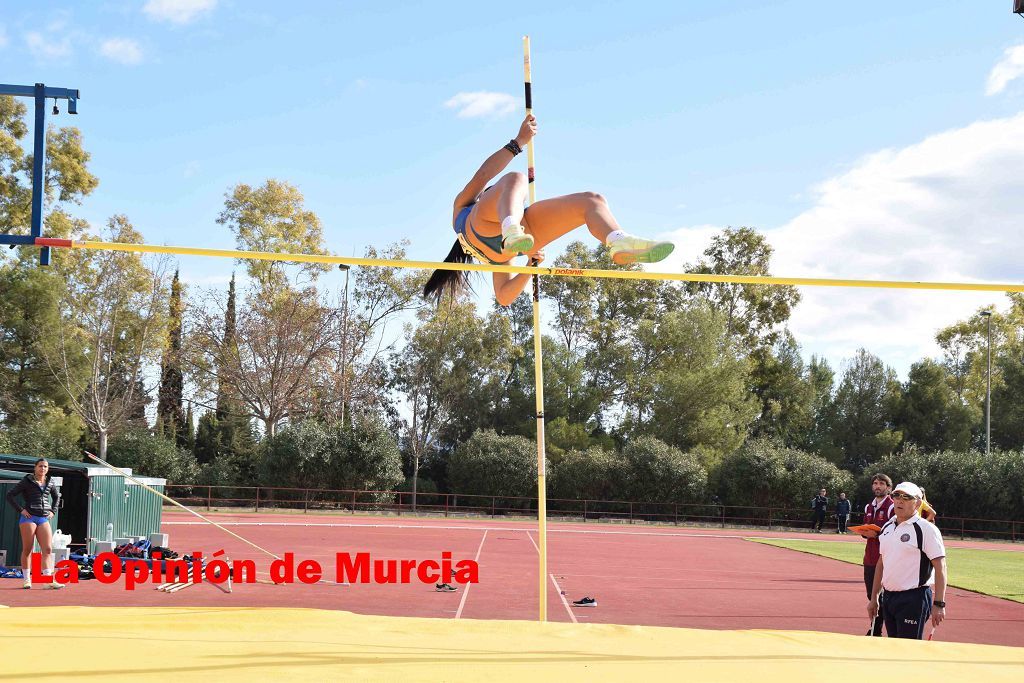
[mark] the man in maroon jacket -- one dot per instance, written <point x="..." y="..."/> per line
<point x="876" y="512"/>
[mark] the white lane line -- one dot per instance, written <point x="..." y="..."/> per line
<point x="470" y="528"/>
<point x="557" y="587"/>
<point x="564" y="601"/>
<point x="465" y="593"/>
<point x="593" y="532"/>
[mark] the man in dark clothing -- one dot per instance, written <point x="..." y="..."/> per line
<point x="876" y="512"/>
<point x="820" y="506"/>
<point x="843" y="513"/>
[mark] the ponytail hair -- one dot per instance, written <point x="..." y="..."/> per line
<point x="454" y="282"/>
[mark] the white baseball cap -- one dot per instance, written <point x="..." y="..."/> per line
<point x="909" y="488"/>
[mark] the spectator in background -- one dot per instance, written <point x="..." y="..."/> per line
<point x="876" y="512"/>
<point x="820" y="506"/>
<point x="842" y="513"/>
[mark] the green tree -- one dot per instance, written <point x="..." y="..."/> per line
<point x="152" y="456"/>
<point x="208" y="439"/>
<point x="492" y="465"/>
<point x="818" y="439"/>
<point x="447" y="373"/>
<point x="41" y="440"/>
<point x="112" y="316"/>
<point x="67" y="178"/>
<point x="596" y="325"/>
<point x="754" y="314"/>
<point x="963" y="483"/>
<point x="930" y="414"/>
<point x="273" y="218"/>
<point x="592" y="474"/>
<point x="1008" y="403"/>
<point x="864" y="408"/>
<point x="363" y="455"/>
<point x="29" y="310"/>
<point x="786" y="390"/>
<point x="379" y="297"/>
<point x="688" y="385"/>
<point x="658" y="473"/>
<point x="767" y="474"/>
<point x="169" y="410"/>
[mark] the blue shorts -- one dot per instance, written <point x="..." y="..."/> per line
<point x="34" y="520"/>
<point x="462" y="226"/>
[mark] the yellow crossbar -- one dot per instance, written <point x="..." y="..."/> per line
<point x="559" y="272"/>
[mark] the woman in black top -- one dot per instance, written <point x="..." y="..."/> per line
<point x="40" y="496"/>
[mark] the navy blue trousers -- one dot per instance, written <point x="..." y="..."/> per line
<point x="907" y="612"/>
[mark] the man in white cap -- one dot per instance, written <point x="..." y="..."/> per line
<point x="912" y="561"/>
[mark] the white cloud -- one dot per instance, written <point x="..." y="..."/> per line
<point x="121" y="50"/>
<point x="483" y="104"/>
<point x="944" y="209"/>
<point x="1009" y="68"/>
<point x="47" y="47"/>
<point x="177" y="11"/>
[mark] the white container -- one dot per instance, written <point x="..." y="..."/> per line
<point x="3" y="558"/>
<point x="104" y="547"/>
<point x="61" y="554"/>
<point x="60" y="539"/>
<point x="122" y="540"/>
<point x="159" y="539"/>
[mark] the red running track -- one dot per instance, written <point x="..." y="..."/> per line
<point x="661" y="576"/>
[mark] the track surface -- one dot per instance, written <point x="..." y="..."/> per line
<point x="659" y="576"/>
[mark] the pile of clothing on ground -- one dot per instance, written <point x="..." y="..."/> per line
<point x="139" y="551"/>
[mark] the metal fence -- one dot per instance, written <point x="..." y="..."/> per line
<point x="259" y="498"/>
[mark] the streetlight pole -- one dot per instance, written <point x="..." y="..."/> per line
<point x="344" y="347"/>
<point x="988" y="385"/>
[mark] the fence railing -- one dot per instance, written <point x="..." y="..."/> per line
<point x="455" y="504"/>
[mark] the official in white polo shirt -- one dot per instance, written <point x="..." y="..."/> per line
<point x="912" y="560"/>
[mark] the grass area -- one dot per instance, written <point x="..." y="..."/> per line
<point x="992" y="572"/>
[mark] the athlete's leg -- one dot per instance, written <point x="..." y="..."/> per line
<point x="44" y="535"/>
<point x="28" y="532"/>
<point x="549" y="219"/>
<point x="503" y="199"/>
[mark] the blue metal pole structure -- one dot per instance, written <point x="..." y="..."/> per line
<point x="40" y="93"/>
<point x="38" y="169"/>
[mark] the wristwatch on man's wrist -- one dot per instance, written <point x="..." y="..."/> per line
<point x="939" y="603"/>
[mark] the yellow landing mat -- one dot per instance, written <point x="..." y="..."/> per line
<point x="263" y="644"/>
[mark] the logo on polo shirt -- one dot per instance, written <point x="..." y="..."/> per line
<point x="910" y="621"/>
<point x="905" y="537"/>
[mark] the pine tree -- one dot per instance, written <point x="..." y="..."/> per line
<point x="207" y="443"/>
<point x="224" y="407"/>
<point x="187" y="437"/>
<point x="169" y="406"/>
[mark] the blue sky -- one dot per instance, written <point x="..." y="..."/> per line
<point x="877" y="139"/>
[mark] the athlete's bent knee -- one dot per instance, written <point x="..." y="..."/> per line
<point x="513" y="178"/>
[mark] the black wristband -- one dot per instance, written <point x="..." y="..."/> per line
<point x="514" y="147"/>
<point x="939" y="603"/>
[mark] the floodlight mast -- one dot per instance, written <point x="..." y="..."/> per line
<point x="40" y="93"/>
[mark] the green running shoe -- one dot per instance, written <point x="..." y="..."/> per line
<point x="515" y="240"/>
<point x="629" y="249"/>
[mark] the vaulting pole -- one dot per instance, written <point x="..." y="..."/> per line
<point x="538" y="370"/>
